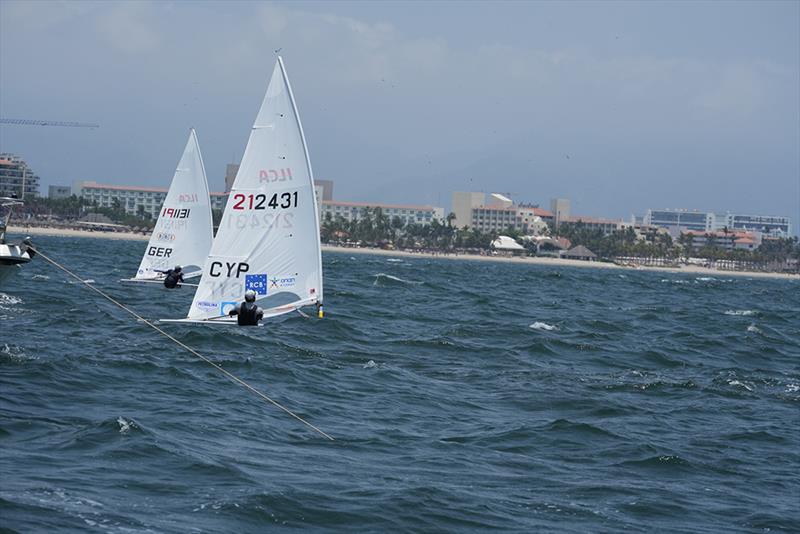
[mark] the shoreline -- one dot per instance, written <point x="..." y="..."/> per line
<point x="527" y="260"/>
<point x="70" y="232"/>
<point x="560" y="262"/>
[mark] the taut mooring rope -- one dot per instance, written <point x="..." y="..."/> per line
<point x="181" y="344"/>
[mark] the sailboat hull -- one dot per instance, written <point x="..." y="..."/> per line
<point x="12" y="257"/>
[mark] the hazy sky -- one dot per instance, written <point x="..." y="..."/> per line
<point x="617" y="106"/>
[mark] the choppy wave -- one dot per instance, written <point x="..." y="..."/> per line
<point x="14" y="353"/>
<point x="463" y="396"/>
<point x="8" y="300"/>
<point x="388" y="279"/>
<point x="752" y="328"/>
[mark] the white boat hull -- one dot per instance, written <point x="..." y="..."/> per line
<point x="12" y="257"/>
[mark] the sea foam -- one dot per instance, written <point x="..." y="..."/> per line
<point x="754" y="329"/>
<point x="388" y="278"/>
<point x="740" y="312"/>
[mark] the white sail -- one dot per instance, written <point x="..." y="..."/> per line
<point x="268" y="238"/>
<point x="184" y="230"/>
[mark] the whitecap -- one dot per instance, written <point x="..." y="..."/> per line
<point x="740" y="384"/>
<point x="792" y="388"/>
<point x="125" y="425"/>
<point x="40" y="277"/>
<point x="754" y="329"/>
<point x="395" y="260"/>
<point x="740" y="312"/>
<point x="370" y="364"/>
<point x="538" y="325"/>
<point x="390" y="278"/>
<point x="15" y="353"/>
<point x="9" y="300"/>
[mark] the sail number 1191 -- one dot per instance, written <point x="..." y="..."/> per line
<point x="259" y="201"/>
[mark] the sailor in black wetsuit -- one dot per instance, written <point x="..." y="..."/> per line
<point x="173" y="277"/>
<point x="247" y="313"/>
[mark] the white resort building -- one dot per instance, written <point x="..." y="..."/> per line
<point x="133" y="199"/>
<point x="409" y="214"/>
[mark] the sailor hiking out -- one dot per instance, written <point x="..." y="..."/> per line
<point x="172" y="277"/>
<point x="247" y="313"/>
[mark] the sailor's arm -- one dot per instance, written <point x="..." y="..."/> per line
<point x="235" y="310"/>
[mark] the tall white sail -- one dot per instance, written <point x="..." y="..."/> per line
<point x="268" y="238"/>
<point x="184" y="230"/>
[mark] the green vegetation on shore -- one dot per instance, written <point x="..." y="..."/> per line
<point x="374" y="228"/>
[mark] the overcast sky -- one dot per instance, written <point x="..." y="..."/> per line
<point x="618" y="106"/>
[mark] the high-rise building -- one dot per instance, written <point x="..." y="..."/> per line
<point x="230" y="175"/>
<point x="15" y="175"/>
<point x="463" y="204"/>
<point x="560" y="209"/>
<point x="59" y="191"/>
<point x="681" y="221"/>
<point x="773" y="226"/>
<point x="326" y="187"/>
<point x="677" y="221"/>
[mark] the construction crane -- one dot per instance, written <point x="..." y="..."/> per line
<point x="34" y="122"/>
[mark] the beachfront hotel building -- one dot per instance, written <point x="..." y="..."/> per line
<point x="677" y="221"/>
<point x="133" y="199"/>
<point x="59" y="191"/>
<point x="607" y="226"/>
<point x="498" y="213"/>
<point x="352" y="211"/>
<point x="680" y="221"/>
<point x="16" y="175"/>
<point x="736" y="240"/>
<point x="773" y="226"/>
<point x="148" y="200"/>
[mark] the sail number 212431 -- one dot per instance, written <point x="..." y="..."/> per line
<point x="259" y="201"/>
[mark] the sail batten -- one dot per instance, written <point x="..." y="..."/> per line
<point x="268" y="237"/>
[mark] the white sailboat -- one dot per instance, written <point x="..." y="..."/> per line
<point x="184" y="230"/>
<point x="268" y="238"/>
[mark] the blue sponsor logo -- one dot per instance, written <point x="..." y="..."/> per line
<point x="256" y="282"/>
<point x="206" y="305"/>
<point x="225" y="306"/>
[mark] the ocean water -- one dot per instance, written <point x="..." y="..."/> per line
<point x="463" y="396"/>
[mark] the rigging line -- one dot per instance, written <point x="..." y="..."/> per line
<point x="181" y="344"/>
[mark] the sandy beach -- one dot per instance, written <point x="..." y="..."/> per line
<point x="553" y="262"/>
<point x="69" y="232"/>
<point x="559" y="262"/>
